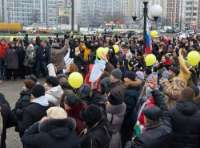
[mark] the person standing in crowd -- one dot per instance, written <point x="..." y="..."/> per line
<point x="116" y="109"/>
<point x="24" y="100"/>
<point x="53" y="130"/>
<point x="30" y="59"/>
<point x="12" y="62"/>
<point x="3" y="52"/>
<point x="53" y="90"/>
<point x="21" y="57"/>
<point x="97" y="134"/>
<point x="155" y="133"/>
<point x="57" y="55"/>
<point x="132" y="92"/>
<point x="73" y="106"/>
<point x="42" y="59"/>
<point x="6" y="119"/>
<point x="35" y="110"/>
<point x="185" y="120"/>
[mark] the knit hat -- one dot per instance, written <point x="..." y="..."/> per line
<point x="56" y="113"/>
<point x="116" y="96"/>
<point x="117" y="73"/>
<point x="91" y="115"/>
<point x="153" y="113"/>
<point x="130" y="75"/>
<point x="38" y="91"/>
<point x="84" y="92"/>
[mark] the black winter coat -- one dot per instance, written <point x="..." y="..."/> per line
<point x="22" y="103"/>
<point x="185" y="122"/>
<point x="51" y="134"/>
<point x="31" y="114"/>
<point x="154" y="136"/>
<point x="6" y="120"/>
<point x="98" y="136"/>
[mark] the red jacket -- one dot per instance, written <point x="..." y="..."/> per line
<point x="3" y="51"/>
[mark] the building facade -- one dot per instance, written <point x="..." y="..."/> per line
<point x="191" y="16"/>
<point x="29" y="12"/>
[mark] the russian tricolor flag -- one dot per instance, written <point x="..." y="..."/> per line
<point x="148" y="43"/>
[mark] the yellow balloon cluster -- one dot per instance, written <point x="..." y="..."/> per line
<point x="150" y="59"/>
<point x="75" y="80"/>
<point x="193" y="58"/>
<point x="102" y="51"/>
<point x="154" y="34"/>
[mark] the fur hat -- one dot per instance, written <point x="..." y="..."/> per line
<point x="56" y="113"/>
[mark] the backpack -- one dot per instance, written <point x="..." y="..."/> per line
<point x="30" y="56"/>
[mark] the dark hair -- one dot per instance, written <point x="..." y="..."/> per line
<point x="52" y="81"/>
<point x="29" y="83"/>
<point x="38" y="91"/>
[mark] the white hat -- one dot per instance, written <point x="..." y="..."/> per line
<point x="56" y="113"/>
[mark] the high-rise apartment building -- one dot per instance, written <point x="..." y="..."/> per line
<point x="29" y="12"/>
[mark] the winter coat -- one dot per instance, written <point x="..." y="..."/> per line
<point x="131" y="98"/>
<point x="21" y="56"/>
<point x="54" y="95"/>
<point x="75" y="114"/>
<point x="30" y="56"/>
<point x="185" y="121"/>
<point x="12" y="59"/>
<point x="3" y="51"/>
<point x="98" y="136"/>
<point x="6" y="120"/>
<point x="33" y="113"/>
<point x="115" y="116"/>
<point x="118" y="84"/>
<point x="43" y="55"/>
<point x="22" y="102"/>
<point x="153" y="137"/>
<point x="51" y="134"/>
<point x="57" y="57"/>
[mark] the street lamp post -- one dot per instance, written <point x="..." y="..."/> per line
<point x="156" y="11"/>
<point x="72" y="23"/>
<point x="145" y="13"/>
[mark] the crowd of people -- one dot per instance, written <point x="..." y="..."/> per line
<point x="127" y="105"/>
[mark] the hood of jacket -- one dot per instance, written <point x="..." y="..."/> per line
<point x="187" y="108"/>
<point x="42" y="101"/>
<point x="58" y="128"/>
<point x="54" y="94"/>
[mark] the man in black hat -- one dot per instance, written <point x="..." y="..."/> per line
<point x="97" y="134"/>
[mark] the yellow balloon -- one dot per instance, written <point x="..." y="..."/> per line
<point x="75" y="80"/>
<point x="116" y="48"/>
<point x="154" y="34"/>
<point x="150" y="59"/>
<point x="193" y="58"/>
<point x="106" y="50"/>
<point x="101" y="51"/>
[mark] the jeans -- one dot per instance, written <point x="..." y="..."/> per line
<point x="2" y="69"/>
<point x="41" y="68"/>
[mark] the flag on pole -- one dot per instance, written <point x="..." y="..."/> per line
<point x="148" y="42"/>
